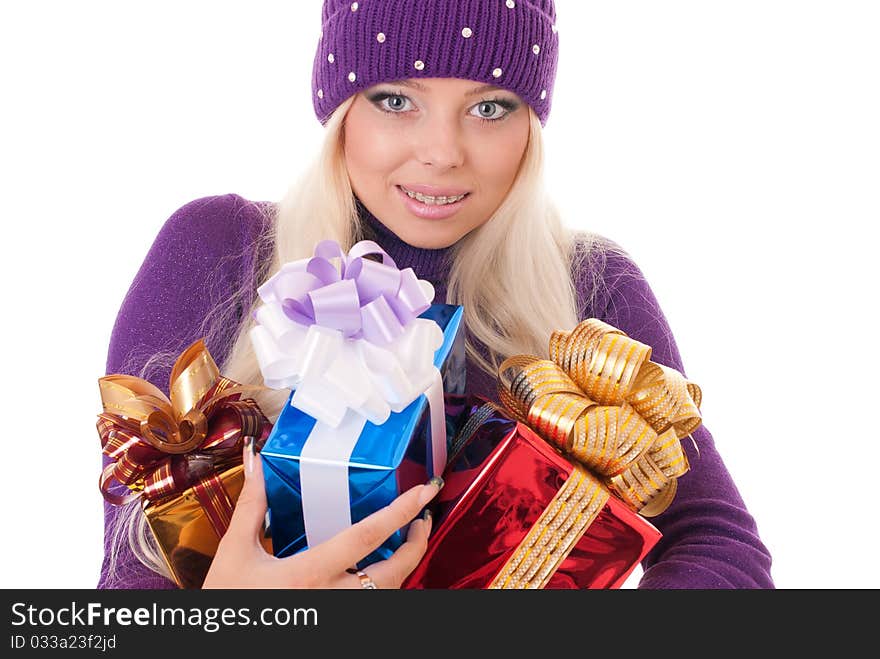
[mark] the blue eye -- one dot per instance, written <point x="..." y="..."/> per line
<point x="490" y="104"/>
<point x="399" y="101"/>
<point x="382" y="97"/>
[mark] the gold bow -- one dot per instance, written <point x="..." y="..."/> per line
<point x="600" y="400"/>
<point x="141" y="428"/>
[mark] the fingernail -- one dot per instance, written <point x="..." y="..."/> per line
<point x="427" y="515"/>
<point x="248" y="455"/>
<point x="430" y="490"/>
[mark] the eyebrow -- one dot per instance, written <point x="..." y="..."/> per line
<point x="420" y="87"/>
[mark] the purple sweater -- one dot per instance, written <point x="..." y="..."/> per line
<point x="709" y="538"/>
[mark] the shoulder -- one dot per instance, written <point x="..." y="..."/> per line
<point x="623" y="298"/>
<point x="215" y="223"/>
<point x="600" y="266"/>
<point x="204" y="253"/>
<point x="211" y="236"/>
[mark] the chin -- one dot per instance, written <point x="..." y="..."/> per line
<point x="422" y="243"/>
<point x="430" y="238"/>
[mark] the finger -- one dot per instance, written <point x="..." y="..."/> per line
<point x="250" y="509"/>
<point x="357" y="541"/>
<point x="391" y="572"/>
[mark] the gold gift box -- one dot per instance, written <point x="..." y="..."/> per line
<point x="186" y="538"/>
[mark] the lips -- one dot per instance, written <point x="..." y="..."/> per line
<point x="432" y="212"/>
<point x="434" y="191"/>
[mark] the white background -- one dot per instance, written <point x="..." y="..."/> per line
<point x="731" y="147"/>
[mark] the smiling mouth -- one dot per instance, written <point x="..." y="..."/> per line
<point x="429" y="200"/>
<point x="432" y="211"/>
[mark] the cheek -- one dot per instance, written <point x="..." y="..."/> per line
<point x="369" y="150"/>
<point x="500" y="164"/>
<point x="499" y="160"/>
<point x="358" y="143"/>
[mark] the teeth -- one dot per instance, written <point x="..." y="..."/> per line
<point x="433" y="201"/>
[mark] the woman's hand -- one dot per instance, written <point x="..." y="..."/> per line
<point x="242" y="562"/>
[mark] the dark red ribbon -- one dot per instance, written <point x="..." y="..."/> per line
<point x="148" y="471"/>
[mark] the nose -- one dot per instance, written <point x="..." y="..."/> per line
<point x="440" y="143"/>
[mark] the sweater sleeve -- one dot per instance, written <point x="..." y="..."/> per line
<point x="710" y="539"/>
<point x="198" y="258"/>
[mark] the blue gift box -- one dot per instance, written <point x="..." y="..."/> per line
<point x="387" y="459"/>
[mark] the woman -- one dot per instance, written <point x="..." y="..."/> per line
<point x="433" y="114"/>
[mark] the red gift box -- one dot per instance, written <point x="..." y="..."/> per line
<point x="551" y="488"/>
<point x="516" y="513"/>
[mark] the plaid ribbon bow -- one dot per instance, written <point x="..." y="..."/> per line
<point x="161" y="446"/>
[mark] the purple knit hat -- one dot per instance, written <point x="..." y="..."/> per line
<point x="508" y="43"/>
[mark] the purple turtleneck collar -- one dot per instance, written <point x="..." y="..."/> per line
<point x="430" y="264"/>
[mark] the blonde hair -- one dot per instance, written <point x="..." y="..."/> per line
<point x="512" y="275"/>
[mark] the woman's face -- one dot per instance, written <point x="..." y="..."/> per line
<point x="441" y="137"/>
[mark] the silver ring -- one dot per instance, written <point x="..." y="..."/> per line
<point x="366" y="582"/>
